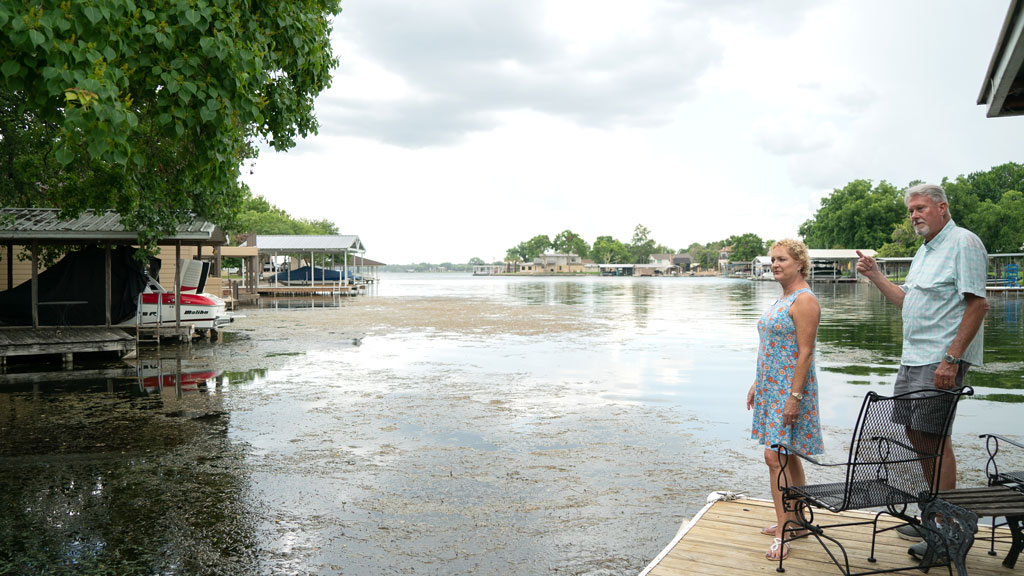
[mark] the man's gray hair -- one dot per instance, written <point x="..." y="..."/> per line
<point x="935" y="192"/>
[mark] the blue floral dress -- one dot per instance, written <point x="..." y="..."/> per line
<point x="776" y="363"/>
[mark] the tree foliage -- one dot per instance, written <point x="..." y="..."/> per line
<point x="151" y="108"/>
<point x="905" y="241"/>
<point x="1000" y="224"/>
<point x="642" y="246"/>
<point x="608" y="250"/>
<point x="858" y="215"/>
<point x="745" y="247"/>
<point x="260" y="216"/>
<point x="537" y="245"/>
<point x="569" y="242"/>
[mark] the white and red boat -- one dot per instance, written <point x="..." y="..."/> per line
<point x="201" y="310"/>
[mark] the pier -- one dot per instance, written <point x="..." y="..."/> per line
<point x="64" y="342"/>
<point x="724" y="538"/>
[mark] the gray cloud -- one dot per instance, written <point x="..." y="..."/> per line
<point x="467" y="61"/>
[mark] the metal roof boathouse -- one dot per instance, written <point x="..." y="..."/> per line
<point x="349" y="249"/>
<point x="30" y="228"/>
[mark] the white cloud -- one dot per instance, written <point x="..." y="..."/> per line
<point x="459" y="128"/>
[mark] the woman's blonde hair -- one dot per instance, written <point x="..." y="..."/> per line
<point x="798" y="251"/>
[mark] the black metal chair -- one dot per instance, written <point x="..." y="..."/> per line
<point x="1013" y="478"/>
<point x="997" y="477"/>
<point x="894" y="461"/>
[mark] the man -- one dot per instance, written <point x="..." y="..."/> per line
<point x="943" y="306"/>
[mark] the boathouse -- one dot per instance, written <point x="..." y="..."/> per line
<point x="24" y="231"/>
<point x="332" y="261"/>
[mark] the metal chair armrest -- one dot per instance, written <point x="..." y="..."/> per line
<point x="1002" y="439"/>
<point x="992" y="442"/>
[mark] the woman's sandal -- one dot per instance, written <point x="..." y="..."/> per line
<point x="773" y="552"/>
<point x="770" y="530"/>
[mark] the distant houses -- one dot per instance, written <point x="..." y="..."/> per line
<point x="826" y="266"/>
<point x="558" y="263"/>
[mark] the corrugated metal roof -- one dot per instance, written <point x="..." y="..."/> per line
<point x="301" y="243"/>
<point x="1003" y="90"/>
<point x="44" y="225"/>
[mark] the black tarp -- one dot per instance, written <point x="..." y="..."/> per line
<point x="79" y="277"/>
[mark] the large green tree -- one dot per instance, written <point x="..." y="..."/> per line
<point x="258" y="215"/>
<point x="536" y="246"/>
<point x="608" y="250"/>
<point x="569" y="242"/>
<point x="857" y="215"/>
<point x="745" y="247"/>
<point x="151" y="108"/>
<point x="1000" y="224"/>
<point x="642" y="246"/>
<point x="517" y="253"/>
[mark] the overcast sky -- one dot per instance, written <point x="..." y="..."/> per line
<point x="459" y="128"/>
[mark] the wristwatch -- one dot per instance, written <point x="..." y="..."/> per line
<point x="797" y="395"/>
<point x="949" y="358"/>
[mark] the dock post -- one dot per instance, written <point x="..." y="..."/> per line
<point x="68" y="361"/>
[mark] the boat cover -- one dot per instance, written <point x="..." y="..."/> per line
<point x="79" y="277"/>
<point x="303" y="275"/>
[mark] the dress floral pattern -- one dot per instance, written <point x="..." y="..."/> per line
<point x="776" y="363"/>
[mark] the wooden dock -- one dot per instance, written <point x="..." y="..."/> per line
<point x="65" y="341"/>
<point x="725" y="538"/>
<point x="329" y="289"/>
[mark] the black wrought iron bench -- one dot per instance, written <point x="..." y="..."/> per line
<point x="1002" y="498"/>
<point x="894" y="462"/>
<point x="1012" y="478"/>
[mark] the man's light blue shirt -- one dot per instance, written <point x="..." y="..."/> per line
<point x="953" y="264"/>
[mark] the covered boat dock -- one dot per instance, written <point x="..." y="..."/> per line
<point x="24" y="231"/>
<point x="336" y="258"/>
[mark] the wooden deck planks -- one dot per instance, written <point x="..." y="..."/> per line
<point x="23" y="341"/>
<point x="727" y="540"/>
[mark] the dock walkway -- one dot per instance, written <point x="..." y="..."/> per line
<point x="66" y="341"/>
<point x="725" y="538"/>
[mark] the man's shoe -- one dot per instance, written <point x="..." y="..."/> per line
<point x="910" y="532"/>
<point x="921" y="548"/>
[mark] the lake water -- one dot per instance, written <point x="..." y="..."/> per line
<point x="443" y="424"/>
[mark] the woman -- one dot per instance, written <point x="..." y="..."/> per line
<point x="784" y="397"/>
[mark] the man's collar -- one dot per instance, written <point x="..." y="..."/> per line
<point x="941" y="236"/>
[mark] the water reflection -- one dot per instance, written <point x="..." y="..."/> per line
<point x="312" y="301"/>
<point x="122" y="470"/>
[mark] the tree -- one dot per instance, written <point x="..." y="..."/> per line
<point x="474" y="261"/>
<point x="607" y="250"/>
<point x="705" y="256"/>
<point x="258" y="215"/>
<point x="855" y="216"/>
<point x="151" y="109"/>
<point x="517" y="253"/>
<point x="536" y="246"/>
<point x="1000" y="224"/>
<point x="642" y="246"/>
<point x="569" y="242"/>
<point x="905" y="242"/>
<point x="745" y="247"/>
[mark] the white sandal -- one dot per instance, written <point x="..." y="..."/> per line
<point x="776" y="545"/>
